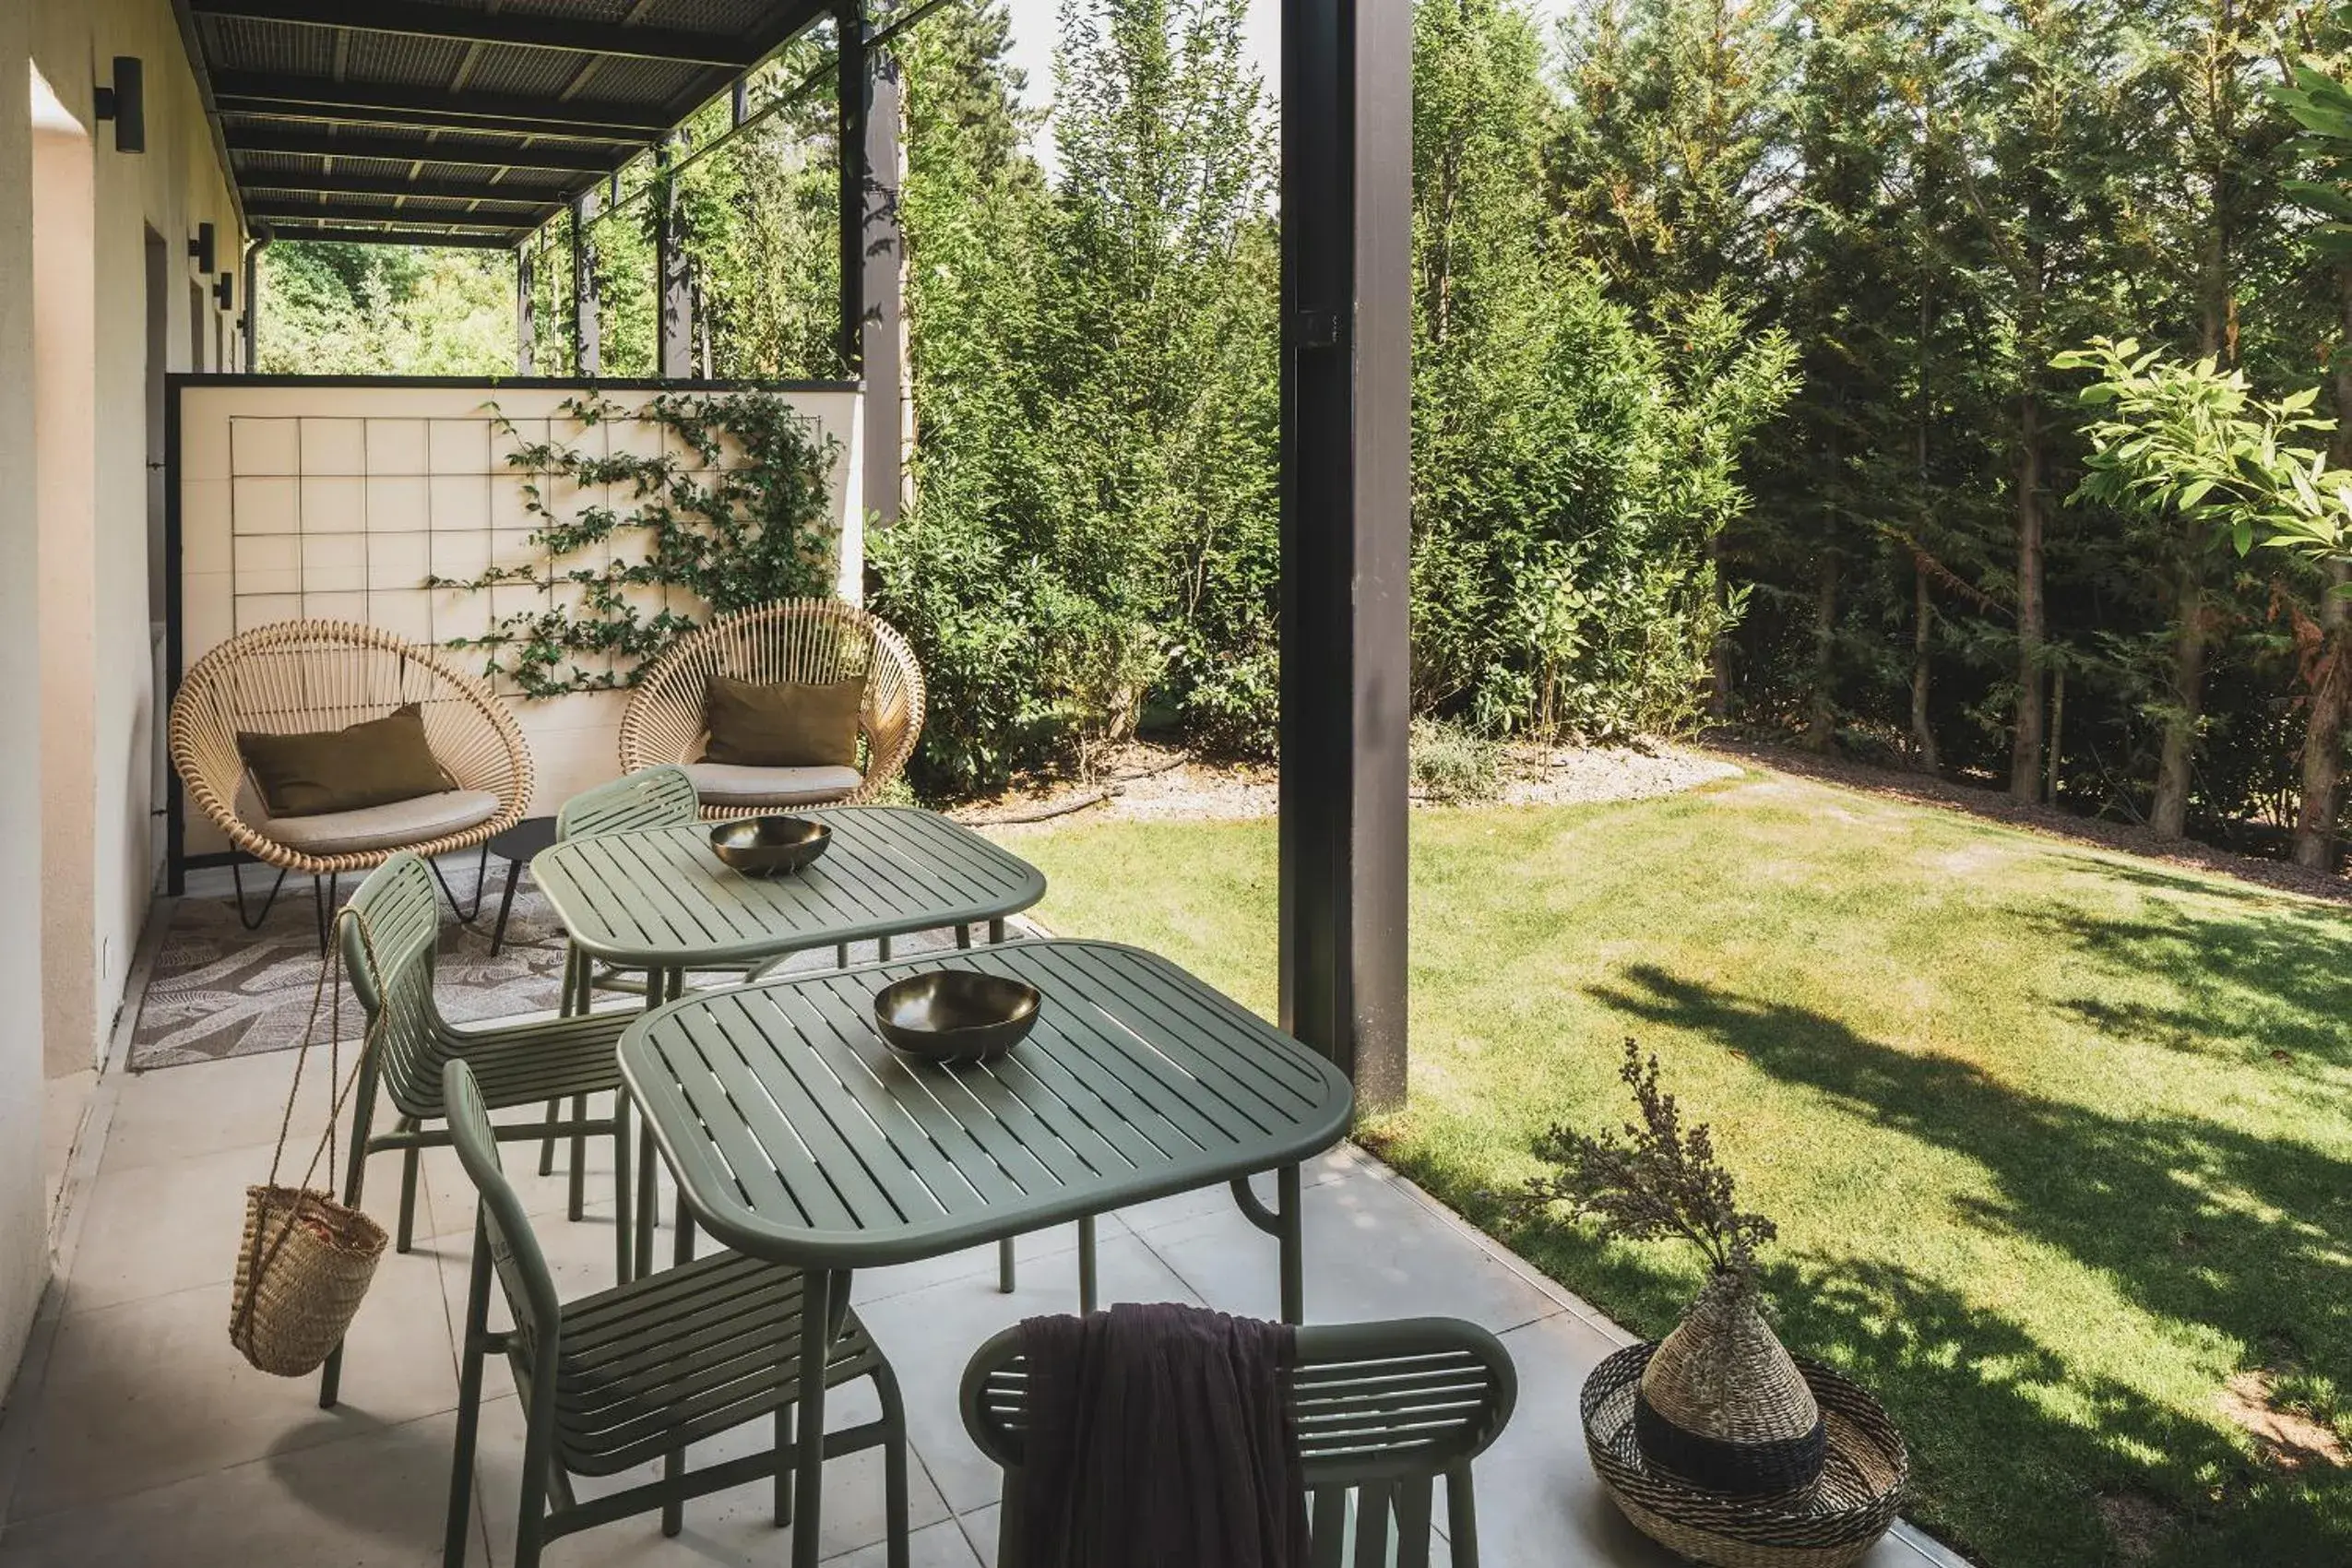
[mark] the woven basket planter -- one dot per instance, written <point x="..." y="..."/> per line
<point x="1851" y="1502"/>
<point x="1722" y="1405"/>
<point x="302" y="1268"/>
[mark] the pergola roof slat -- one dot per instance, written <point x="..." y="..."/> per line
<point x="448" y="103"/>
<point x="571" y="35"/>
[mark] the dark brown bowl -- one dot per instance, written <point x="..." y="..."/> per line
<point x="769" y="846"/>
<point x="951" y="1015"/>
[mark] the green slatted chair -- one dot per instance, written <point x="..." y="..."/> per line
<point x="651" y="797"/>
<point x="1382" y="1411"/>
<point x="629" y="1375"/>
<point x="528" y="1063"/>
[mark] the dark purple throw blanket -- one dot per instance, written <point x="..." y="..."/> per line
<point x="1159" y="1437"/>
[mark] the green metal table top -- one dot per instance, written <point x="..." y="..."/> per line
<point x="658" y="899"/>
<point x="797" y="1136"/>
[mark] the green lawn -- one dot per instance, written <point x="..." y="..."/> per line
<point x="2059" y="1142"/>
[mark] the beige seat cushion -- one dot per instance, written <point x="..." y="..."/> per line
<point x="726" y="784"/>
<point x="393" y="826"/>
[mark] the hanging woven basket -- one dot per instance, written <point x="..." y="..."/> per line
<point x="1722" y="1405"/>
<point x="304" y="1262"/>
<point x="303" y="1269"/>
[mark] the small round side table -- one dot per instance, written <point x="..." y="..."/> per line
<point x="516" y="846"/>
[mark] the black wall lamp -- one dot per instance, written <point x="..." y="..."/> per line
<point x="203" y="250"/>
<point x="224" y="290"/>
<point x="125" y="104"/>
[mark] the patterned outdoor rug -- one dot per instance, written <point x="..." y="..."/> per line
<point x="219" y="989"/>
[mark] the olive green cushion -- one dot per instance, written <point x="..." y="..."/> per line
<point x="787" y="724"/>
<point x="370" y="764"/>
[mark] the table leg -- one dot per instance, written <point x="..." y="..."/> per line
<point x="881" y="950"/>
<point x="964" y="936"/>
<point x="1086" y="1264"/>
<point x="621" y="1207"/>
<point x="658" y="984"/>
<point x="808" y="1418"/>
<point x="1294" y="1267"/>
<point x="996" y="931"/>
<point x="1007" y="1270"/>
<point x="507" y="907"/>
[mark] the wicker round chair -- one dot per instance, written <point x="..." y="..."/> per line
<point x="295" y="676"/>
<point x="794" y="640"/>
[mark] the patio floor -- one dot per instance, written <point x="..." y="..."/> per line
<point x="136" y="1435"/>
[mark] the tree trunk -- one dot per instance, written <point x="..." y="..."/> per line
<point x="2025" y="742"/>
<point x="2324" y="735"/>
<point x="2057" y="733"/>
<point x="1922" y="641"/>
<point x="1822" y="728"/>
<point x="1719" y="651"/>
<point x="2170" y="816"/>
<point x="2332" y="682"/>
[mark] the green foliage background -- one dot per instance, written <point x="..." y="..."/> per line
<point x="1733" y="392"/>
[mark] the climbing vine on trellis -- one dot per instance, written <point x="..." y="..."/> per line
<point x="743" y="523"/>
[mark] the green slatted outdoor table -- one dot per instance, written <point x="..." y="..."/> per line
<point x="798" y="1136"/>
<point x="658" y="899"/>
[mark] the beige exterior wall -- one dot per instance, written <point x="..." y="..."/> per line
<point x="338" y="502"/>
<point x="173" y="186"/>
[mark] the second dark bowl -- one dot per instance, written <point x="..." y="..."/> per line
<point x="951" y="1015"/>
<point x="769" y="846"/>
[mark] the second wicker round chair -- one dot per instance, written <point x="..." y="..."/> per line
<point x="806" y="640"/>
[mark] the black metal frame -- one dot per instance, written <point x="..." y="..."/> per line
<point x="1346" y="441"/>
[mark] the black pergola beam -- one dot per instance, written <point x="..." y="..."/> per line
<point x="503" y="223"/>
<point x="318" y="99"/>
<point x="506" y="241"/>
<point x="1346" y="443"/>
<point x="334" y="183"/>
<point x="405" y="17"/>
<point x="300" y="143"/>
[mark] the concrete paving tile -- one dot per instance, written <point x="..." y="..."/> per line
<point x="153" y="1229"/>
<point x="208" y="1106"/>
<point x="1345" y="1160"/>
<point x="1374" y="1250"/>
<point x="366" y="1502"/>
<point x="940" y="1546"/>
<point x="149" y="1393"/>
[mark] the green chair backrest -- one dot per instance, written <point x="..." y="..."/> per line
<point x="1382" y="1411"/>
<point x="651" y="797"/>
<point x="513" y="1246"/>
<point x="399" y="920"/>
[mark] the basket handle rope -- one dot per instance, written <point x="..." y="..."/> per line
<point x="330" y="974"/>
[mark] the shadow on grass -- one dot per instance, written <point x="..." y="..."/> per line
<point x="2195" y="1222"/>
<point x="2244" y="985"/>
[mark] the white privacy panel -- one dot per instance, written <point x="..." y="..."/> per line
<point x="346" y="500"/>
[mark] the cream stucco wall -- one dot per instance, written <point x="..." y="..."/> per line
<point x="171" y="187"/>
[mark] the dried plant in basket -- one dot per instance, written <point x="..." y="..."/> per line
<point x="1722" y="1404"/>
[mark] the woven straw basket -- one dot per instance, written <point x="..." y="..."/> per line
<point x="301" y="1270"/>
<point x="304" y="1260"/>
<point x="1723" y="1406"/>
<point x="1851" y="1502"/>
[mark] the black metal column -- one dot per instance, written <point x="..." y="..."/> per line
<point x="525" y="348"/>
<point x="1346" y="435"/>
<point x="882" y="355"/>
<point x="674" y="354"/>
<point x="588" y="351"/>
<point x="850" y="209"/>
